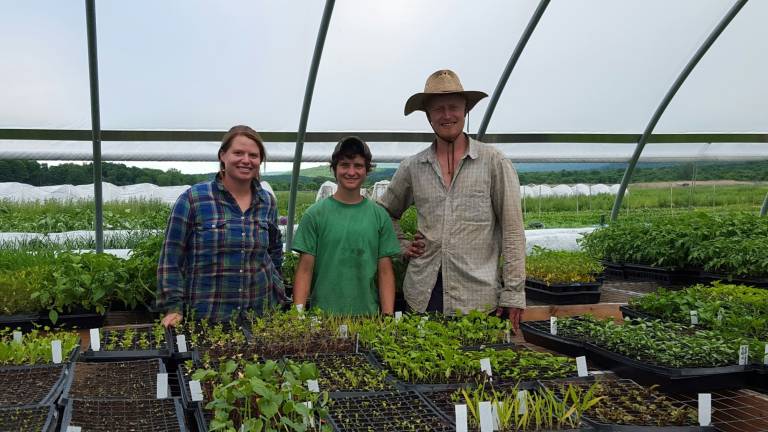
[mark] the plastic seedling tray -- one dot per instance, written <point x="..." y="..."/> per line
<point x="32" y="385"/>
<point x="344" y="375"/>
<point x="23" y="322"/>
<point x="565" y="287"/>
<point x="386" y="412"/>
<point x="119" y="415"/>
<point x="613" y="269"/>
<point x="562" y="298"/>
<point x="439" y="397"/>
<point x="679" y="379"/>
<point x="733" y="410"/>
<point x="537" y="333"/>
<point x="130" y="343"/>
<point x="201" y="342"/>
<point x="624" y="387"/>
<point x="42" y="418"/>
<point x="664" y="275"/>
<point x="628" y="312"/>
<point x="757" y="282"/>
<point x="114" y="380"/>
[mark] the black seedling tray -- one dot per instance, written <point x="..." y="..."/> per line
<point x="32" y="385"/>
<point x="385" y="412"/>
<point x="537" y="333"/>
<point x="757" y="282"/>
<point x="586" y="382"/>
<point x="357" y="364"/>
<point x="565" y="288"/>
<point x="563" y="298"/>
<point x="116" y="415"/>
<point x="628" y="312"/>
<point x="46" y="416"/>
<point x="613" y="269"/>
<point x="438" y="396"/>
<point x="677" y="379"/>
<point x="663" y="275"/>
<point x="123" y="380"/>
<point x="26" y="322"/>
<point x="135" y="353"/>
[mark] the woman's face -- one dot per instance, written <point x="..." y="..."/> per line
<point x="242" y="159"/>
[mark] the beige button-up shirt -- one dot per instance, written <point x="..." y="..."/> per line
<point x="466" y="226"/>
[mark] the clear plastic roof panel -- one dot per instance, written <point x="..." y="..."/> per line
<point x="377" y="54"/>
<point x="728" y="90"/>
<point x="204" y="65"/>
<point x="44" y="65"/>
<point x="603" y="65"/>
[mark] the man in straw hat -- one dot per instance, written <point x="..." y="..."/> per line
<point x="467" y="198"/>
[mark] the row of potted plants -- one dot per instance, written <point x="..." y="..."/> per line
<point x="724" y="246"/>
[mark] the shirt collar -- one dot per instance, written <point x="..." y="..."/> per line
<point x="430" y="155"/>
<point x="255" y="187"/>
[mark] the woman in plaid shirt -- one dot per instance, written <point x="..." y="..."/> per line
<point x="223" y="252"/>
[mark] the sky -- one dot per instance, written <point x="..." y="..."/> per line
<point x="590" y="66"/>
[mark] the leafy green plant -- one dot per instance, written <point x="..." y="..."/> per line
<point x="35" y="346"/>
<point x="561" y="267"/>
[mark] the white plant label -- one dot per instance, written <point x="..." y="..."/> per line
<point x="485" y="366"/>
<point x="553" y="325"/>
<point x="398" y="316"/>
<point x="74" y="429"/>
<point x="313" y="386"/>
<point x="522" y="402"/>
<point x="719" y="315"/>
<point x="300" y="310"/>
<point x="181" y="343"/>
<point x="95" y="339"/>
<point x="311" y="420"/>
<point x="694" y="317"/>
<point x="343" y="331"/>
<point x="357" y="343"/>
<point x="162" y="385"/>
<point x="705" y="409"/>
<point x="765" y="358"/>
<point x="495" y="407"/>
<point x="315" y="321"/>
<point x="507" y="336"/>
<point x="743" y="355"/>
<point x="581" y="366"/>
<point x="17" y="336"/>
<point x="486" y="417"/>
<point x="56" y="351"/>
<point x="461" y="418"/>
<point x="195" y="391"/>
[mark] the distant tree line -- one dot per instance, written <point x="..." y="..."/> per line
<point x="37" y="174"/>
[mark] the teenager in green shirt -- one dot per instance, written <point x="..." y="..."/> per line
<point x="346" y="243"/>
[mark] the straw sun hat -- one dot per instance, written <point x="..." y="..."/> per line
<point x="442" y="82"/>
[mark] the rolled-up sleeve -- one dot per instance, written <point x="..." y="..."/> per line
<point x="505" y="193"/>
<point x="170" y="267"/>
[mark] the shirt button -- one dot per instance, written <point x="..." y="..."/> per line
<point x="240" y="290"/>
<point x="243" y="234"/>
<point x="241" y="270"/>
<point x="242" y="218"/>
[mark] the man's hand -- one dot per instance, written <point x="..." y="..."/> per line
<point x="417" y="246"/>
<point x="171" y="319"/>
<point x="514" y="315"/>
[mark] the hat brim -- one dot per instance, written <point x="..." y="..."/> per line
<point x="416" y="102"/>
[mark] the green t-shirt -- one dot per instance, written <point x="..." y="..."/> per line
<point x="347" y="241"/>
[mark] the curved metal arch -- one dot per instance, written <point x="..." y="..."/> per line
<point x="309" y="91"/>
<point x="668" y="98"/>
<point x="93" y="74"/>
<point x="532" y="23"/>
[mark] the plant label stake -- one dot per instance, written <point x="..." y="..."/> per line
<point x="73" y="429"/>
<point x="398" y="316"/>
<point x="705" y="409"/>
<point x="553" y="325"/>
<point x="311" y="420"/>
<point x="694" y="317"/>
<point x="522" y="400"/>
<point x="95" y="339"/>
<point x="719" y="315"/>
<point x="485" y="366"/>
<point x="486" y="417"/>
<point x="343" y="331"/>
<point x="461" y="418"/>
<point x="507" y="336"/>
<point x="765" y="358"/>
<point x="56" y="351"/>
<point x="495" y="407"/>
<point x="162" y="385"/>
<point x="181" y="343"/>
<point x="300" y="310"/>
<point x="313" y="386"/>
<point x="743" y="355"/>
<point x="17" y="336"/>
<point x="581" y="366"/>
<point x="357" y="343"/>
<point x="195" y="391"/>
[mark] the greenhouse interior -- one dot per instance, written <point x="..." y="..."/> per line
<point x="574" y="240"/>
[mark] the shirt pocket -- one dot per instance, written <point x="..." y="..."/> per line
<point x="477" y="207"/>
<point x="210" y="244"/>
